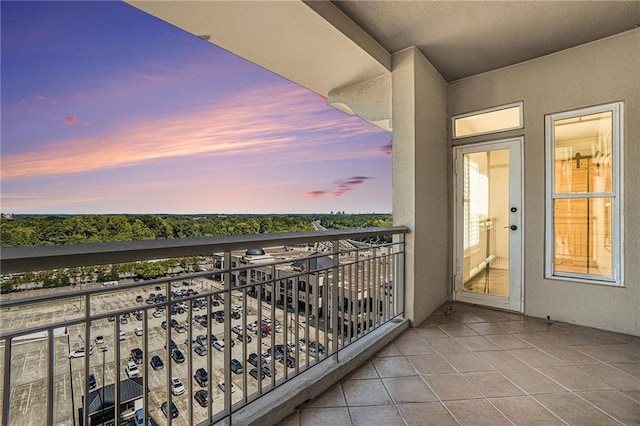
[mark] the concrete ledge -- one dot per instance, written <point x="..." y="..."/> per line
<point x="284" y="400"/>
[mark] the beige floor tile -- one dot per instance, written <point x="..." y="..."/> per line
<point x="465" y="317"/>
<point x="543" y="339"/>
<point x="413" y="347"/>
<point x="633" y="369"/>
<point x="452" y="386"/>
<point x="408" y="389"/>
<point x="477" y="343"/>
<point x="466" y="362"/>
<point x="476" y="412"/>
<point x="430" y="364"/>
<point x="337" y="416"/>
<point x="571" y="377"/>
<point x="493" y="316"/>
<point x="447" y="345"/>
<point x="524" y="410"/>
<point x="501" y="360"/>
<point x="485" y="328"/>
<point x="457" y="330"/>
<point x="616" y="404"/>
<point x="431" y="332"/>
<point x="574" y="410"/>
<point x="332" y="397"/>
<point x="365" y="392"/>
<point x="570" y="356"/>
<point x="613" y="354"/>
<point x="386" y="415"/>
<point x="426" y="414"/>
<point x="532" y="381"/>
<point x="390" y="350"/>
<point x="633" y="394"/>
<point x="365" y="371"/>
<point x="492" y="384"/>
<point x="395" y="366"/>
<point x="292" y="420"/>
<point x="612" y="376"/>
<point x="507" y="341"/>
<point x="536" y="358"/>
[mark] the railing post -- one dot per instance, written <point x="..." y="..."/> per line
<point x="227" y="336"/>
<point x="7" y="381"/>
<point x="50" y="375"/>
<point x="398" y="278"/>
<point x="334" y="296"/>
<point x="87" y="358"/>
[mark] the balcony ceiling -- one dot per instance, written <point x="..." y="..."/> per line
<point x="463" y="38"/>
<point x="325" y="46"/>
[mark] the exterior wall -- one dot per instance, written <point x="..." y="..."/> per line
<point x="420" y="170"/>
<point x="597" y="73"/>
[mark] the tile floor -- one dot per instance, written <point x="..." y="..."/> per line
<point x="476" y="366"/>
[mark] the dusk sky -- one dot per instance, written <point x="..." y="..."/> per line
<point x="106" y="109"/>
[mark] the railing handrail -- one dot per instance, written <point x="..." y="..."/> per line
<point x="38" y="258"/>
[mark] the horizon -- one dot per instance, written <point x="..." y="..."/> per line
<point x="107" y="110"/>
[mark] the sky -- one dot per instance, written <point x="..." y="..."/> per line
<point x="106" y="109"/>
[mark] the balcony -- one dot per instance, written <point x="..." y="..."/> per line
<point x="207" y="329"/>
<point x="472" y="365"/>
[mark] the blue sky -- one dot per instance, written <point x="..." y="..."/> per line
<point x="106" y="109"/>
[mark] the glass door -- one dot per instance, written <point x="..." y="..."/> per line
<point x="488" y="227"/>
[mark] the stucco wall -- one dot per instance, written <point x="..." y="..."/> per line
<point x="419" y="98"/>
<point x="598" y="73"/>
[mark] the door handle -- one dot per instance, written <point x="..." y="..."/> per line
<point x="512" y="227"/>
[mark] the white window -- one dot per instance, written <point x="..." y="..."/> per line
<point x="584" y="195"/>
<point x="491" y="120"/>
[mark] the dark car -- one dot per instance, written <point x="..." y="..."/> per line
<point x="291" y="361"/>
<point x="163" y="325"/>
<point x="157" y="288"/>
<point x="174" y="410"/>
<point x="266" y="368"/>
<point x="201" y="376"/>
<point x="172" y="344"/>
<point x="139" y="299"/>
<point x="201" y="339"/>
<point x="254" y="373"/>
<point x="177" y="356"/>
<point x="136" y="355"/>
<point x="200" y="350"/>
<point x="253" y="359"/>
<point x="156" y="363"/>
<point x="202" y="397"/>
<point x="236" y="366"/>
<point x="92" y="381"/>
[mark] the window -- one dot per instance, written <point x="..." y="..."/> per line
<point x="492" y="120"/>
<point x="584" y="194"/>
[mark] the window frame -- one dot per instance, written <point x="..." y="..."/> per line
<point x="519" y="104"/>
<point x="616" y="194"/>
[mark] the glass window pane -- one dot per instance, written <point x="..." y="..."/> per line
<point x="583" y="234"/>
<point x="583" y="154"/>
<point x="498" y="120"/>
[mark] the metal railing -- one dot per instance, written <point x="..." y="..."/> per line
<point x="252" y="318"/>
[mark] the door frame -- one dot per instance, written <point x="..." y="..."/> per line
<point x="515" y="301"/>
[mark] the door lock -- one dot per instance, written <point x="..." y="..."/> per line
<point x="512" y="227"/>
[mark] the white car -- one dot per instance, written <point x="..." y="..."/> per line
<point x="177" y="388"/>
<point x="252" y="327"/>
<point x="138" y="331"/>
<point x="237" y="329"/>
<point x="99" y="340"/>
<point x="157" y="314"/>
<point x="132" y="370"/>
<point x="221" y="386"/>
<point x="219" y="345"/>
<point x="80" y="352"/>
<point x="122" y="335"/>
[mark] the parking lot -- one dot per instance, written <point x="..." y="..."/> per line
<point x="29" y="358"/>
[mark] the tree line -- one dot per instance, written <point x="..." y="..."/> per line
<point x="54" y="230"/>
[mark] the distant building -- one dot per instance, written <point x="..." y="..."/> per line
<point x="100" y="402"/>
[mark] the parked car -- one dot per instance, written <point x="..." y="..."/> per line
<point x="139" y="299"/>
<point x="201" y="339"/>
<point x="202" y="397"/>
<point x="122" y="335"/>
<point x="132" y="370"/>
<point x="237" y="329"/>
<point x="253" y="327"/>
<point x="254" y="373"/>
<point x="123" y="320"/>
<point x="177" y="388"/>
<point x="221" y="386"/>
<point x="201" y="350"/>
<point x="138" y="315"/>
<point x="79" y="353"/>
<point x="236" y="366"/>
<point x="201" y="376"/>
<point x="172" y="344"/>
<point x="290" y="361"/>
<point x="219" y="345"/>
<point x="163" y="325"/>
<point x="177" y="356"/>
<point x="158" y="314"/>
<point x="267" y="370"/>
<point x="156" y="363"/>
<point x="138" y="419"/>
<point x="253" y="359"/>
<point x="138" y="331"/>
<point x="174" y="409"/>
<point x="136" y="355"/>
<point x="99" y="340"/>
<point x="92" y="381"/>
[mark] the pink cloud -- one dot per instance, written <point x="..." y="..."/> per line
<point x="85" y="123"/>
<point x="342" y="186"/>
<point x="71" y="120"/>
<point x="387" y="148"/>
